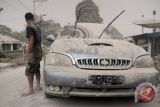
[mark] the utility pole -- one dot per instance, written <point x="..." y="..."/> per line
<point x="154" y="14"/>
<point x="154" y="30"/>
<point x="142" y="26"/>
<point x="34" y="6"/>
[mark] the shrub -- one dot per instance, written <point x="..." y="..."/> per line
<point x="2" y="55"/>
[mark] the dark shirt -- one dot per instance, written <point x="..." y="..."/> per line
<point x="33" y="30"/>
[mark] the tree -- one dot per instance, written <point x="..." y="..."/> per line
<point x="49" y="27"/>
<point x="88" y="11"/>
<point x="19" y="35"/>
<point x="4" y="30"/>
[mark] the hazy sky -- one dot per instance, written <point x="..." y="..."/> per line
<point x="63" y="11"/>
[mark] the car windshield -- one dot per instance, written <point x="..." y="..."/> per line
<point x="74" y="33"/>
<point x="111" y="33"/>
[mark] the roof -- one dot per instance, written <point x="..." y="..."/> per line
<point x="147" y="35"/>
<point x="6" y="38"/>
<point x="150" y="23"/>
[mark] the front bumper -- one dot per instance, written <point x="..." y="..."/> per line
<point x="74" y="81"/>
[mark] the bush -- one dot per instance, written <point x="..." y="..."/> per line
<point x="2" y="55"/>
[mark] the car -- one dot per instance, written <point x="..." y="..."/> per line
<point x="86" y="66"/>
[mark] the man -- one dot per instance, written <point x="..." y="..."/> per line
<point x="33" y="53"/>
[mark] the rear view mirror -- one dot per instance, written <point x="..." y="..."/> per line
<point x="50" y="38"/>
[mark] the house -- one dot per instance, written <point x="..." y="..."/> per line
<point x="149" y="41"/>
<point x="9" y="44"/>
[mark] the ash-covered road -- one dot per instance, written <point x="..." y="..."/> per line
<point x="13" y="83"/>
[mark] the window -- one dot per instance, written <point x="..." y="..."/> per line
<point x="6" y="47"/>
<point x="15" y="47"/>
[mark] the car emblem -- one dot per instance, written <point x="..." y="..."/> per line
<point x="104" y="62"/>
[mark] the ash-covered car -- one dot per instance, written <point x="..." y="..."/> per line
<point x="105" y="67"/>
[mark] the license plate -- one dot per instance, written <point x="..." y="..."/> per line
<point x="106" y="80"/>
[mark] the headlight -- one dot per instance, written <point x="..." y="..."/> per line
<point x="144" y="62"/>
<point x="58" y="60"/>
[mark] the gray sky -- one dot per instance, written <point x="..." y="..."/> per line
<point x="63" y="11"/>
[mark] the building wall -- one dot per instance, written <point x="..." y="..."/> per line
<point x="11" y="49"/>
<point x="14" y="54"/>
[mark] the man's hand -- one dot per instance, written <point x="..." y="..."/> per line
<point x="27" y="52"/>
<point x="30" y="45"/>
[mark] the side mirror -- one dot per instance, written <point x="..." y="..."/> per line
<point x="50" y="38"/>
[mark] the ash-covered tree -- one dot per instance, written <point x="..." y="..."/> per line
<point x="4" y="30"/>
<point x="87" y="11"/>
<point x="49" y="27"/>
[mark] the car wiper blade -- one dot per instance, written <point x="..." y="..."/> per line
<point x="110" y="24"/>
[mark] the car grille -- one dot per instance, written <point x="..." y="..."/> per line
<point x="103" y="63"/>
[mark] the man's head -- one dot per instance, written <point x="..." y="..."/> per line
<point x="29" y="17"/>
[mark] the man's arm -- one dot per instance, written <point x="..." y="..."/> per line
<point x="30" y="44"/>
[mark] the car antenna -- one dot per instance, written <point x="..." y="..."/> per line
<point x="77" y="19"/>
<point x="110" y="24"/>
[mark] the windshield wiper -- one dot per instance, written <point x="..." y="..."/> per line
<point x="110" y="24"/>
